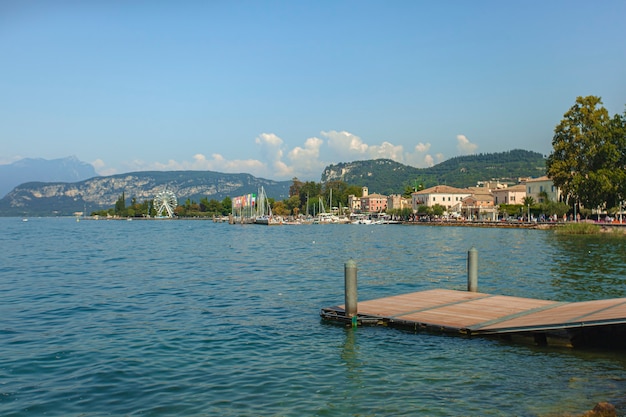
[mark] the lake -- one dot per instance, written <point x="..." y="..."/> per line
<point x="193" y="318"/>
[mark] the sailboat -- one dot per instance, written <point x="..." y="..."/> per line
<point x="323" y="216"/>
<point x="264" y="211"/>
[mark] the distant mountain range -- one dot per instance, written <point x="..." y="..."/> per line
<point x="68" y="169"/>
<point x="63" y="197"/>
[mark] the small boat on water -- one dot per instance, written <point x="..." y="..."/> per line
<point x="264" y="211"/>
<point x="360" y="218"/>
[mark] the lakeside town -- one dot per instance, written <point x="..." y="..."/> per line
<point x="526" y="203"/>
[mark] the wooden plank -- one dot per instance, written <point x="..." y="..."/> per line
<point x="568" y="315"/>
<point x="485" y="313"/>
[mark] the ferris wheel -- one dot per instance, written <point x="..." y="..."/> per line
<point x="165" y="201"/>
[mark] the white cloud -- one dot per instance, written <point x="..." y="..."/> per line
<point x="198" y="162"/>
<point x="345" y="143"/>
<point x="269" y="139"/>
<point x="464" y="146"/>
<point x="386" y="150"/>
<point x="272" y="150"/>
<point x="305" y="161"/>
<point x="100" y="167"/>
<point x="422" y="147"/>
<point x="419" y="158"/>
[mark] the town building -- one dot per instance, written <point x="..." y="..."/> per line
<point x="397" y="202"/>
<point x="443" y="195"/>
<point x="354" y="203"/>
<point x="367" y="203"/>
<point x="541" y="188"/>
<point x="478" y="206"/>
<point x="373" y="203"/>
<point x="509" y="195"/>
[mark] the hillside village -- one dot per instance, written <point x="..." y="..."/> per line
<point x="471" y="203"/>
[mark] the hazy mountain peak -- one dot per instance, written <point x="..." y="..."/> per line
<point x="68" y="169"/>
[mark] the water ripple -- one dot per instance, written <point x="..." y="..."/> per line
<point x="196" y="318"/>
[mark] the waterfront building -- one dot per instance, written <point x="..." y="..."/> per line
<point x="540" y="188"/>
<point x="443" y="195"/>
<point x="509" y="195"/>
<point x="374" y="203"/>
<point x="479" y="205"/>
<point x="397" y="202"/>
<point x="354" y="203"/>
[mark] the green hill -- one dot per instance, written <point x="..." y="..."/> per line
<point x="389" y="177"/>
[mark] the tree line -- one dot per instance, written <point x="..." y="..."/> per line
<point x="204" y="208"/>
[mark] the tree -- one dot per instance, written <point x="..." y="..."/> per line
<point x="214" y="207"/>
<point x="310" y="190"/>
<point x="438" y="209"/>
<point x="227" y="206"/>
<point x="618" y="132"/>
<point x="280" y="209"/>
<point x="120" y="205"/>
<point x="293" y="204"/>
<point x="551" y="207"/>
<point x="588" y="161"/>
<point x="294" y="189"/>
<point x="528" y="201"/>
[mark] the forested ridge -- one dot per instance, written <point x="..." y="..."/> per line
<point x="389" y="177"/>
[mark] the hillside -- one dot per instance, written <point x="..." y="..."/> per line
<point x="389" y="177"/>
<point x="61" y="198"/>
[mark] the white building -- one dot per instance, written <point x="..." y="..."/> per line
<point x="536" y="187"/>
<point x="440" y="194"/>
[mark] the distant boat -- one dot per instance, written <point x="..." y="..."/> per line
<point x="358" y="218"/>
<point x="264" y="211"/>
<point x="24" y="219"/>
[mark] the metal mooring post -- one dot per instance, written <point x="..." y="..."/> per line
<point x="351" y="294"/>
<point x="472" y="270"/>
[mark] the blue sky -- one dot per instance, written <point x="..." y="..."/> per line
<point x="281" y="89"/>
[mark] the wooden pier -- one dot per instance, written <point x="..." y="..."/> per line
<point x="599" y="323"/>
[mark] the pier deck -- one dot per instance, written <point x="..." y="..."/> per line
<point x="599" y="323"/>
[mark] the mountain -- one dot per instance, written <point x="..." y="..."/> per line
<point x="68" y="169"/>
<point x="380" y="176"/>
<point x="389" y="177"/>
<point x="62" y="198"/>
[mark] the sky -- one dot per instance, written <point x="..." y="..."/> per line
<point x="282" y="89"/>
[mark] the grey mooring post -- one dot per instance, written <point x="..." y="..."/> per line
<point x="472" y="270"/>
<point x="350" y="282"/>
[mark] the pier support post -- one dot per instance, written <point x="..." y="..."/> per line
<point x="350" y="288"/>
<point x="472" y="270"/>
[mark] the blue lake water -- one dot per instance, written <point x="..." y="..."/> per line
<point x="193" y="318"/>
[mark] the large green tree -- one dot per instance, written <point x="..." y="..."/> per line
<point x="588" y="161"/>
